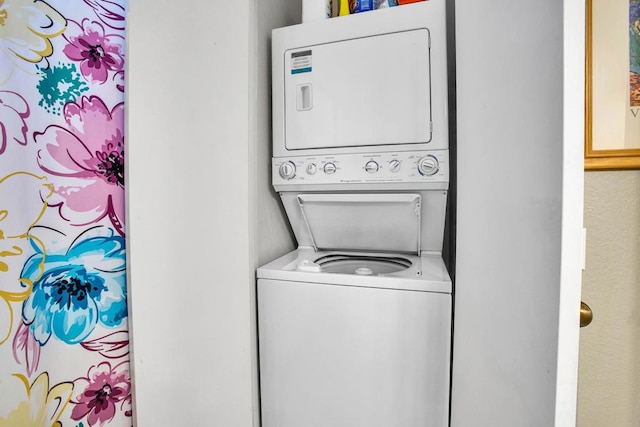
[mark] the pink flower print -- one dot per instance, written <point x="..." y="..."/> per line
<point x="97" y="52"/>
<point x="118" y="78"/>
<point x="100" y="391"/>
<point x="111" y="13"/>
<point x="13" y="111"/>
<point x="86" y="161"/>
<point x="127" y="406"/>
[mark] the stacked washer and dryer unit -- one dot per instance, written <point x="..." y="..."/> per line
<point x="355" y="324"/>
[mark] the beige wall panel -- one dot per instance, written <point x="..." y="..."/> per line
<point x="609" y="379"/>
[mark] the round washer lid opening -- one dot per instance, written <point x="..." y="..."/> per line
<point x="362" y="264"/>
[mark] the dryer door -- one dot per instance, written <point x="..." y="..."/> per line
<point x="366" y="91"/>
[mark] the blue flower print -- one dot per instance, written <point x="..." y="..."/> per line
<point x="77" y="290"/>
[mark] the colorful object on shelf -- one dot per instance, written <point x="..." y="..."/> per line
<point x="333" y="8"/>
<point x="347" y="7"/>
<point x="344" y="8"/>
<point x="382" y="4"/>
<point x="357" y="6"/>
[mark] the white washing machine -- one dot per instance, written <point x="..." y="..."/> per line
<point x="345" y="349"/>
<point x="357" y="335"/>
<point x="355" y="324"/>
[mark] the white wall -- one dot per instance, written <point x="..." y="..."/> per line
<point x="197" y="108"/>
<point x="201" y="217"/>
<point x="519" y="120"/>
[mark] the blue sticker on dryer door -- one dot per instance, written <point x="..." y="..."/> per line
<point x="301" y="62"/>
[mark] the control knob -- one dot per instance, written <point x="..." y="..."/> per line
<point x="311" y="168"/>
<point x="329" y="168"/>
<point x="287" y="170"/>
<point x="428" y="165"/>
<point x="395" y="165"/>
<point x="371" y="166"/>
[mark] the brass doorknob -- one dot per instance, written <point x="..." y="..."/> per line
<point x="586" y="315"/>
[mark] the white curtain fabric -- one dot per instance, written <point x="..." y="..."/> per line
<point x="64" y="347"/>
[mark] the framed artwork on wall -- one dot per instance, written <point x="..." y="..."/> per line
<point x="612" y="92"/>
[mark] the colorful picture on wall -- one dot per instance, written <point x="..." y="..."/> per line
<point x="634" y="52"/>
<point x="612" y="119"/>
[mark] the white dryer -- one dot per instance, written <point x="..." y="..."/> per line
<point x="355" y="324"/>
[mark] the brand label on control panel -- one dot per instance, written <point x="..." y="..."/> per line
<point x="301" y="62"/>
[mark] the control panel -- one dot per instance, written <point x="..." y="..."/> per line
<point x="409" y="167"/>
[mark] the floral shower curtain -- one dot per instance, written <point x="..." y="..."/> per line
<point x="64" y="357"/>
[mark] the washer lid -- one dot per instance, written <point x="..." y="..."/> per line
<point x="368" y="222"/>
